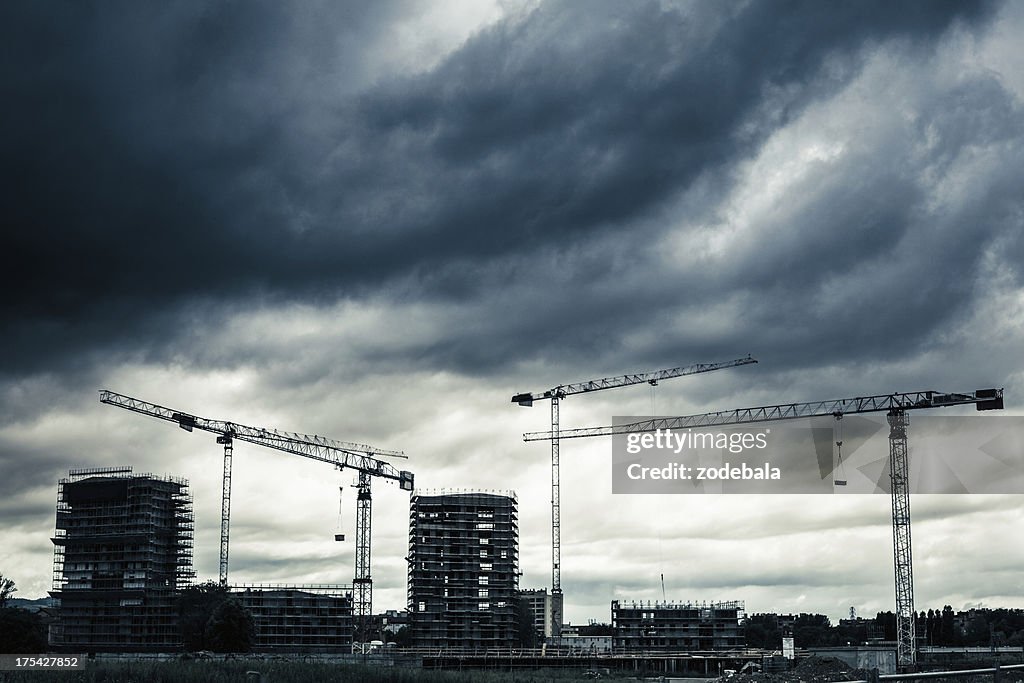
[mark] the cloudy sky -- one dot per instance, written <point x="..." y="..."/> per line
<point x="378" y="221"/>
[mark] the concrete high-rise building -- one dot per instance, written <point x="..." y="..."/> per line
<point x="677" y="626"/>
<point x="464" y="570"/>
<point x="122" y="553"/>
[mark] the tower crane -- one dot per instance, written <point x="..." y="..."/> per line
<point x="555" y="395"/>
<point x="895" y="406"/>
<point x="341" y="454"/>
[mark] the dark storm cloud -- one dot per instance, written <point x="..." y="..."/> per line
<point x="22" y="510"/>
<point x="36" y="467"/>
<point x="165" y="168"/>
<point x="130" y="154"/>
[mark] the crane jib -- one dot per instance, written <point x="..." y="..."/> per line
<point x="983" y="399"/>
<point x="563" y="390"/>
<point x="340" y="454"/>
<point x="337" y="453"/>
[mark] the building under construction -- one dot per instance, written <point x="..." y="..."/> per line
<point x="464" y="570"/>
<point x="299" y="618"/>
<point x="122" y="553"/>
<point x="677" y="626"/>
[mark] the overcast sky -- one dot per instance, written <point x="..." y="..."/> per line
<point x="378" y="221"/>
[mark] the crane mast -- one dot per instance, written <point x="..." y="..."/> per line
<point x="895" y="406"/>
<point x="225" y="506"/>
<point x="903" y="565"/>
<point x="362" y="584"/>
<point x="341" y="454"/>
<point x="555" y="395"/>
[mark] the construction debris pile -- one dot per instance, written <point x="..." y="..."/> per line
<point x="809" y="670"/>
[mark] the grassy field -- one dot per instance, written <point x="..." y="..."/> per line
<point x="277" y="672"/>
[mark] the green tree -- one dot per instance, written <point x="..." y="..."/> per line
<point x="947" y="627"/>
<point x="403" y="637"/>
<point x="195" y="607"/>
<point x="762" y="630"/>
<point x="21" y="632"/>
<point x="597" y="630"/>
<point x="7" y="589"/>
<point x="887" y="620"/>
<point x="855" y="634"/>
<point x="230" y="628"/>
<point x="813" y="630"/>
<point x="527" y="635"/>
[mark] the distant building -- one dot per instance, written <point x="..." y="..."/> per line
<point x="540" y="604"/>
<point x="393" y="621"/>
<point x="122" y="554"/>
<point x="678" y="627"/>
<point x="786" y="623"/>
<point x="36" y="605"/>
<point x="862" y="629"/>
<point x="464" y="570"/>
<point x="592" y="638"/>
<point x="586" y="644"/>
<point x="961" y="620"/>
<point x="299" y="618"/>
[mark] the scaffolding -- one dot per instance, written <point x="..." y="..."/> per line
<point x="304" y="618"/>
<point x="122" y="554"/>
<point x="464" y="569"/>
<point x="677" y="626"/>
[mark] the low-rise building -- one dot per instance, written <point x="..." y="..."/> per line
<point x="299" y="618"/>
<point x="677" y="626"/>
